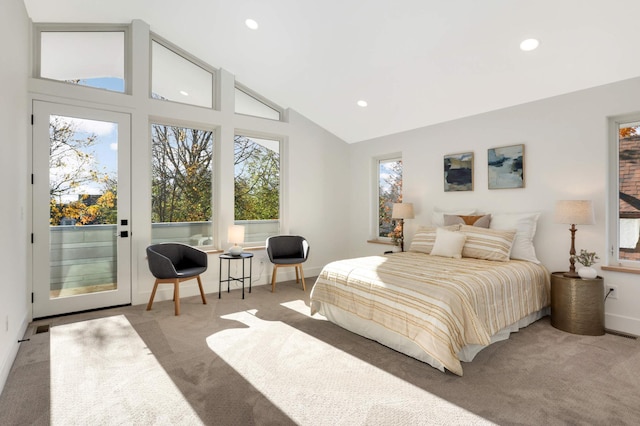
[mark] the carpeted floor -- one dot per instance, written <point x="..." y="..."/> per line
<point x="263" y="360"/>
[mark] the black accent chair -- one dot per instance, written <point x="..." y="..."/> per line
<point x="287" y="250"/>
<point x="173" y="263"/>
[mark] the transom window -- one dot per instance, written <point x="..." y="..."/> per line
<point x="248" y="103"/>
<point x="86" y="58"/>
<point x="176" y="78"/>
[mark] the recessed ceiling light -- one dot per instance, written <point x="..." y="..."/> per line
<point x="183" y="93"/>
<point x="251" y="24"/>
<point x="529" y="44"/>
<point x="362" y="103"/>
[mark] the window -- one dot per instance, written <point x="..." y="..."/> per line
<point x="250" y="104"/>
<point x="389" y="177"/>
<point x="257" y="186"/>
<point x="175" y="78"/>
<point x="625" y="202"/>
<point x="181" y="186"/>
<point x="86" y="58"/>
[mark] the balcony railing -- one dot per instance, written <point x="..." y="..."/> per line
<point x="86" y="255"/>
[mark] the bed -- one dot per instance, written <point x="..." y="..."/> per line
<point x="440" y="310"/>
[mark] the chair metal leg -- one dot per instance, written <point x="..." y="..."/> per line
<point x="153" y="294"/>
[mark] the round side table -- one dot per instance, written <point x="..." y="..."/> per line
<point x="577" y="305"/>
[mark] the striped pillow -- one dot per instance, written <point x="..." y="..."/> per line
<point x="425" y="238"/>
<point x="487" y="244"/>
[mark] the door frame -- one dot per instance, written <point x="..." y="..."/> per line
<point x="42" y="304"/>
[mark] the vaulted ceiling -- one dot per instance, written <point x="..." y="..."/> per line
<point x="415" y="62"/>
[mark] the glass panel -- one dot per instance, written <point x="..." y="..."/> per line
<point x="94" y="59"/>
<point x="389" y="192"/>
<point x="181" y="191"/>
<point x="174" y="78"/>
<point x="257" y="187"/>
<point x="629" y="190"/>
<point x="247" y="104"/>
<point x="83" y="164"/>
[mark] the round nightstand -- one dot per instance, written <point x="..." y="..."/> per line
<point x="577" y="305"/>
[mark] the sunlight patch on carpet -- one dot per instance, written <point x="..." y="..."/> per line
<point x="318" y="384"/>
<point x="103" y="373"/>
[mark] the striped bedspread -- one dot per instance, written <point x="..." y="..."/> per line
<point x="439" y="303"/>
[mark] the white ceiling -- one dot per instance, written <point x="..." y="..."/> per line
<point x="416" y="62"/>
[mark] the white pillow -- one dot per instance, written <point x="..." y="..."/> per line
<point x="437" y="217"/>
<point x="525" y="225"/>
<point x="448" y="243"/>
<point x="425" y="237"/>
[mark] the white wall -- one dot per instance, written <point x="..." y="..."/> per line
<point x="14" y="113"/>
<point x="566" y="144"/>
<point x="318" y="192"/>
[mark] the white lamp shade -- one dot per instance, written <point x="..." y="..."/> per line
<point x="236" y="234"/>
<point x="402" y="211"/>
<point x="575" y="212"/>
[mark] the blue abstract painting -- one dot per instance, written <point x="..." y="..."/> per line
<point x="506" y="167"/>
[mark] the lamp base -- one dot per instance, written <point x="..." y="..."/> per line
<point x="236" y="250"/>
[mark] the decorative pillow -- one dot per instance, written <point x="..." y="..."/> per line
<point x="425" y="238"/>
<point x="437" y="218"/>
<point x="481" y="221"/>
<point x="448" y="243"/>
<point x="525" y="225"/>
<point x="487" y="244"/>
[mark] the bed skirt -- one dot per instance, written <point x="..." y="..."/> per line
<point x="406" y="346"/>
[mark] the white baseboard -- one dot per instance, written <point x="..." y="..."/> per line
<point x="12" y="353"/>
<point x="622" y="324"/>
<point x="259" y="278"/>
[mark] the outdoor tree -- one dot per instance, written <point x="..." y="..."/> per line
<point x="390" y="192"/>
<point x="70" y="161"/>
<point x="626" y="132"/>
<point x="72" y="166"/>
<point x="181" y="174"/>
<point x="257" y="180"/>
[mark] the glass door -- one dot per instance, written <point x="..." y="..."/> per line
<point x="81" y="204"/>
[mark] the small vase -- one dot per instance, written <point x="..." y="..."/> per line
<point x="587" y="273"/>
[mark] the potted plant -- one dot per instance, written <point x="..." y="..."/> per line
<point x="397" y="237"/>
<point x="586" y="259"/>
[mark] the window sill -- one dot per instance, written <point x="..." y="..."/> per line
<point x="621" y="269"/>
<point x="387" y="243"/>
<point x="219" y="251"/>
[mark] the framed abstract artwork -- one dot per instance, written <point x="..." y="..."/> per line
<point x="506" y="167"/>
<point x="458" y="172"/>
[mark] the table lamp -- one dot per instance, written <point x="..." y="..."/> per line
<point x="236" y="236"/>
<point x="402" y="211"/>
<point x="574" y="212"/>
